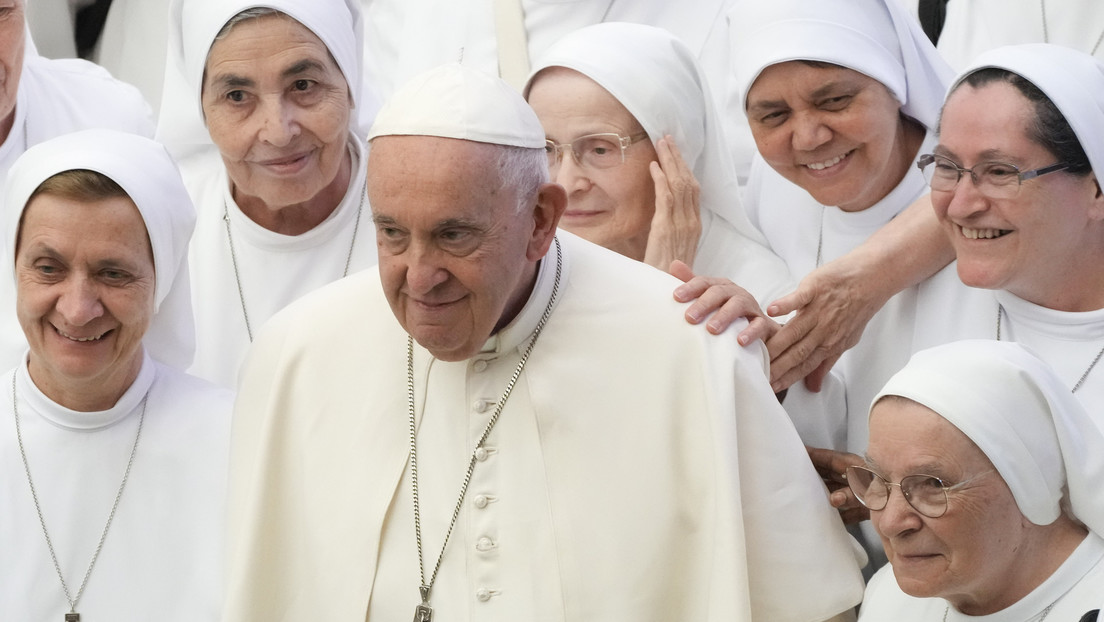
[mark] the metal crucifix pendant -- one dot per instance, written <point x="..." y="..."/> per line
<point x="423" y="613"/>
<point x="72" y="617"/>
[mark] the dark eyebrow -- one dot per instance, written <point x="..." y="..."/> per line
<point x="230" y="80"/>
<point x="303" y="66"/>
<point x="832" y="88"/>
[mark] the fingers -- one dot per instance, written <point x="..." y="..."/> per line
<point x="717" y="295"/>
<point x="676" y="223"/>
<point x="684" y="273"/>
<point x="815" y="380"/>
<point x="793" y="301"/>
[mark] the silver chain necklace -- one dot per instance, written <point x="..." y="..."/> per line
<point x="73" y="616"/>
<point x="423" y="612"/>
<point x="234" y="257"/>
<point x="1046" y="33"/>
<point x="1000" y="312"/>
<point x="1046" y="612"/>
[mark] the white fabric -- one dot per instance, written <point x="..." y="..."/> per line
<point x="1077" y="88"/>
<point x="656" y="77"/>
<point x="162" y="559"/>
<point x="132" y="45"/>
<point x="979" y="25"/>
<point x="275" y="269"/>
<point x="406" y="38"/>
<point x="671" y="491"/>
<point x="193" y="25"/>
<point x="1073" y="589"/>
<point x="56" y="97"/>
<point x="513" y="48"/>
<point x="1022" y="415"/>
<point x="1068" y="341"/>
<point x="873" y="37"/>
<point x="144" y="169"/>
<point x="462" y="102"/>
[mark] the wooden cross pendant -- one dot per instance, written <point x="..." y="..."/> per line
<point x="72" y="617"/>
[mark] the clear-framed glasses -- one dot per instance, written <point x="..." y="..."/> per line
<point x="926" y="494"/>
<point x="996" y="180"/>
<point x="594" y="151"/>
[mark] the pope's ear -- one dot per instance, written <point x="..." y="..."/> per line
<point x="550" y="203"/>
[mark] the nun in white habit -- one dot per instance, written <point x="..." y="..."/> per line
<point x="1017" y="532"/>
<point x="1039" y="278"/>
<point x="649" y="80"/>
<point x="280" y="195"/>
<point x="113" y="459"/>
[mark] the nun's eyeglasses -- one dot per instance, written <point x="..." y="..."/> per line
<point x="593" y="151"/>
<point x="926" y="494"/>
<point x="996" y="180"/>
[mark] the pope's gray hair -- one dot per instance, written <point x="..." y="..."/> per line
<point x="523" y="169"/>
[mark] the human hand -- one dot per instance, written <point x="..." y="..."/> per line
<point x="723" y="302"/>
<point x="676" y="225"/>
<point x="832" y="468"/>
<point x="833" y="305"/>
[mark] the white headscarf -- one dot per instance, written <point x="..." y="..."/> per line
<point x="456" y="101"/>
<point x="874" y="37"/>
<point x="657" y="79"/>
<point x="193" y="25"/>
<point x="1071" y="79"/>
<point x="144" y="169"/>
<point x="1024" y="418"/>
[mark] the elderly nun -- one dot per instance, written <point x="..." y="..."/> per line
<point x="1000" y="512"/>
<point x="670" y="191"/>
<point x="113" y="460"/>
<point x="280" y="196"/>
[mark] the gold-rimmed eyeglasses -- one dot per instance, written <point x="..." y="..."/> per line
<point x="996" y="180"/>
<point x="594" y="151"/>
<point x="926" y="494"/>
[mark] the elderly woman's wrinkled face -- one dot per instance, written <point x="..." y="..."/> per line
<point x="12" y="34"/>
<point x="833" y="131"/>
<point x="85" y="291"/>
<point x="611" y="207"/>
<point x="277" y="106"/>
<point x="969" y="554"/>
<point x="1035" y="243"/>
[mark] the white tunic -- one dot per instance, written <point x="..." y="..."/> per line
<point x="162" y="559"/>
<point x="1069" y="341"/>
<point x="403" y="39"/>
<point x="1073" y="589"/>
<point x="979" y="25"/>
<point x="56" y="97"/>
<point x="795" y="225"/>
<point x="617" y="484"/>
<point x="273" y="269"/>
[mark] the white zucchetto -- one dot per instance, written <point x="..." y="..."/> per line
<point x="454" y="101"/>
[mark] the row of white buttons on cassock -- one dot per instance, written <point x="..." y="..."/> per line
<point x="483" y="544"/>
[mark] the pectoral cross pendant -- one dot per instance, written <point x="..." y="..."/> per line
<point x="72" y="617"/>
<point x="423" y="613"/>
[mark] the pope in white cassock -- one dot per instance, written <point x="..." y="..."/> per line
<point x="507" y="422"/>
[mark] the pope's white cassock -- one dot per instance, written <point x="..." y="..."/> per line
<point x="641" y="469"/>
